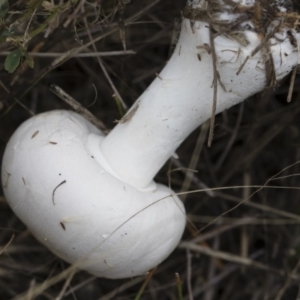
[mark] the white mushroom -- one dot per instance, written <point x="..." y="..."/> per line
<point x="56" y="181"/>
<point x="91" y="199"/>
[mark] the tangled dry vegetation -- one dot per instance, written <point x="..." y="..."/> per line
<point x="242" y="240"/>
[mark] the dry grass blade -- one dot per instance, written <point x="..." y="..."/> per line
<point x="105" y="72"/>
<point x="70" y="53"/>
<point x="191" y="177"/>
<point x="250" y="144"/>
<point x="66" y="285"/>
<point x="78" y="107"/>
<point x="194" y="160"/>
<point x="122" y="288"/>
<point x="179" y="286"/>
<point x="261" y="207"/>
<point x="244" y="221"/>
<point x="235" y="259"/>
<point x="288" y="282"/>
<point x="144" y="285"/>
<point x="89" y="54"/>
<point x="7" y="245"/>
<point x="231" y="140"/>
<point x="215" y="87"/>
<point x="291" y="88"/>
<point x="189" y="274"/>
<point x="40" y="288"/>
<point x="80" y="285"/>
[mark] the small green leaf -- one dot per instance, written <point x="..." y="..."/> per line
<point x="4" y="7"/>
<point x="29" y="60"/>
<point x="13" y="60"/>
<point x="119" y="105"/>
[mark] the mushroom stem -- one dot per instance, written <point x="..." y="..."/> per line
<point x="88" y="197"/>
<point x="228" y="70"/>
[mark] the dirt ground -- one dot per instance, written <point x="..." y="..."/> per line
<point x="246" y="232"/>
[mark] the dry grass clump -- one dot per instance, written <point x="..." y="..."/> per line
<point x="242" y="239"/>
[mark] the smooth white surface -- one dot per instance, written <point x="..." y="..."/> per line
<point x="93" y="220"/>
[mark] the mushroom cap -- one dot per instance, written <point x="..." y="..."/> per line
<point x="56" y="182"/>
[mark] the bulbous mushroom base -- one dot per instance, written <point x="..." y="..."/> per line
<point x="55" y="183"/>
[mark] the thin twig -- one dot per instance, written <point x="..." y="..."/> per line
<point x="288" y="282"/>
<point x="107" y="76"/>
<point x="28" y="25"/>
<point x="16" y="101"/>
<point x="244" y="221"/>
<point x="145" y="284"/>
<point x="189" y="274"/>
<point x="292" y="84"/>
<point x="215" y="86"/>
<point x="194" y="159"/>
<point x="235" y="259"/>
<point x="210" y="292"/>
<point x="41" y="287"/>
<point x="122" y="288"/>
<point x="82" y="55"/>
<point x="194" y="179"/>
<point x="217" y="231"/>
<point x="244" y="242"/>
<point x="70" y="53"/>
<point x="221" y="276"/>
<point x="229" y="145"/>
<point x="66" y="285"/>
<point x="265" y="138"/>
<point x="74" y="14"/>
<point x="259" y="206"/>
<point x="80" y="285"/>
<point x="7" y="245"/>
<point x="77" y="107"/>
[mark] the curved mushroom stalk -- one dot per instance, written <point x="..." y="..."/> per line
<point x="91" y="199"/>
<point x="211" y="62"/>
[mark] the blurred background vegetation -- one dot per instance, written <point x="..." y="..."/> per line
<point x="104" y="54"/>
